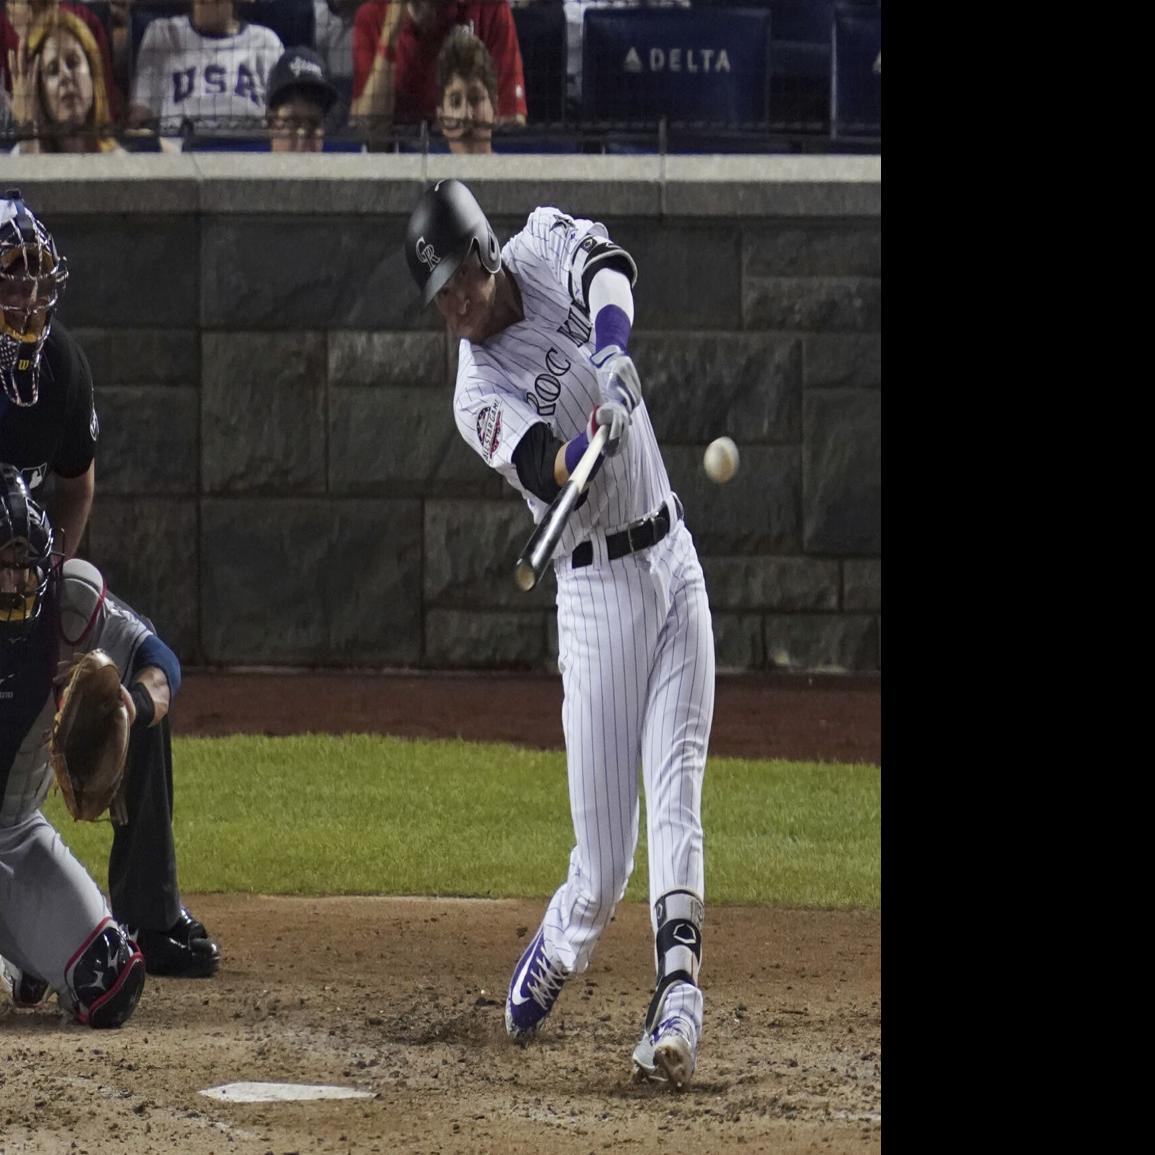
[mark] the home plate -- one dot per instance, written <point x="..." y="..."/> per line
<point x="280" y="1092"/>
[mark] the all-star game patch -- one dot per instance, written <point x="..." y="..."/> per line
<point x="489" y="430"/>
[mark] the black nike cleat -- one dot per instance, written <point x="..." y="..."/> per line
<point x="183" y="951"/>
<point x="28" y="990"/>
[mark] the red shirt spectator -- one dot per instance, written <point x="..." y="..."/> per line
<point x="9" y="42"/>
<point x="414" y="56"/>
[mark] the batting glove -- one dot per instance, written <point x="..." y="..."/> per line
<point x="617" y="377"/>
<point x="617" y="418"/>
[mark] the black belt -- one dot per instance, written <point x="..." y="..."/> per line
<point x="641" y="535"/>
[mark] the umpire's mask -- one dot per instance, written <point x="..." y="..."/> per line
<point x="32" y="276"/>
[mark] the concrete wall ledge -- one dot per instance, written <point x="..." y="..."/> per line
<point x="385" y="183"/>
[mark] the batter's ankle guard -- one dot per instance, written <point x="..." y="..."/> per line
<point x="677" y="947"/>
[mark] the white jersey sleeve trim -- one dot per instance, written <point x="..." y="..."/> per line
<point x="611" y="287"/>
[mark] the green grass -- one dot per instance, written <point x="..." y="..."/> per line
<point x="362" y="814"/>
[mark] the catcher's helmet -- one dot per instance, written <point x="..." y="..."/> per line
<point x="25" y="547"/>
<point x="32" y="276"/>
<point x="444" y="226"/>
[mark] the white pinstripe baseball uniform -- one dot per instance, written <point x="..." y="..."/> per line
<point x="636" y="649"/>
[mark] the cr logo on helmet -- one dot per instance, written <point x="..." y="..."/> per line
<point x="426" y="255"/>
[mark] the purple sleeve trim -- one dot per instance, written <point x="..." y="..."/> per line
<point x="574" y="450"/>
<point x="611" y="327"/>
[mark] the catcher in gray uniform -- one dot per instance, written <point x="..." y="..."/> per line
<point x="56" y="928"/>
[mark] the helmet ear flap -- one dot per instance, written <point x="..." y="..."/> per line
<point x="491" y="256"/>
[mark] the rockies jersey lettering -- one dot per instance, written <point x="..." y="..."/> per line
<point x="527" y="374"/>
<point x="576" y="326"/>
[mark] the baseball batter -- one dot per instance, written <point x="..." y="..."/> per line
<point x="56" y="929"/>
<point x="544" y="325"/>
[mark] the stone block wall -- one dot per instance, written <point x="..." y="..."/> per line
<point x="280" y="480"/>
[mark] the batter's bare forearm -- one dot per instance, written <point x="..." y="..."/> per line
<point x="560" y="472"/>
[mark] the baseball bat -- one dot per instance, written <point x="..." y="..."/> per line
<point x="542" y="542"/>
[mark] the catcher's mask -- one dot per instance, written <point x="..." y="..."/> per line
<point x="32" y="277"/>
<point x="25" y="556"/>
<point x="444" y="227"/>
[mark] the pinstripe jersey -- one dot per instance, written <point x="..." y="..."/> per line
<point x="635" y="636"/>
<point x="538" y="370"/>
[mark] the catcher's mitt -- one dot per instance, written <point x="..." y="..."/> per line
<point x="90" y="738"/>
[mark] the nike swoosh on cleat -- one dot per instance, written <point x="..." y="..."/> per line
<point x="514" y="991"/>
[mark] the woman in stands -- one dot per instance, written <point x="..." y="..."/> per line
<point x="18" y="16"/>
<point x="59" y="89"/>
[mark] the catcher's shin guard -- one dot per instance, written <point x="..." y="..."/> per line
<point x="105" y="977"/>
<point x="677" y="946"/>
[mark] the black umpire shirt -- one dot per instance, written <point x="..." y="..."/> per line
<point x="57" y="434"/>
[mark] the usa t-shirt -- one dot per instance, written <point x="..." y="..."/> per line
<point x="216" y="81"/>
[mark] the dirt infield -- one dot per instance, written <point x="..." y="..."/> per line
<point x="402" y="998"/>
<point x="824" y="718"/>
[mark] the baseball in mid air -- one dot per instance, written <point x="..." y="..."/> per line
<point x="721" y="459"/>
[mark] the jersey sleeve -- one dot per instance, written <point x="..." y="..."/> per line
<point x="91" y="618"/>
<point x="572" y="250"/>
<point x="81" y="426"/>
<point x="490" y="416"/>
<point x="269" y="51"/>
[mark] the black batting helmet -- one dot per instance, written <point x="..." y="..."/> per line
<point x="444" y="226"/>
<point x="25" y="546"/>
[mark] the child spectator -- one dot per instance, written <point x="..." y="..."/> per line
<point x="208" y="69"/>
<point x="58" y="88"/>
<point x="300" y="98"/>
<point x="395" y="47"/>
<point x="467" y="83"/>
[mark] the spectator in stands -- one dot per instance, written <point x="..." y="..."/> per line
<point x="467" y="83"/>
<point x="575" y="11"/>
<point x="333" y="40"/>
<point x="9" y="43"/>
<point x="16" y="18"/>
<point x="58" y="87"/>
<point x="207" y="71"/>
<point x="395" y="47"/>
<point x="300" y="98"/>
<point x="120" y="30"/>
